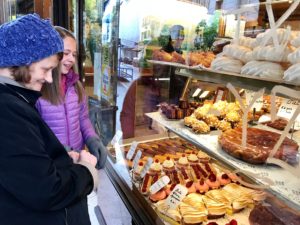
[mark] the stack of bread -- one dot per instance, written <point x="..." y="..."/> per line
<point x="292" y="74"/>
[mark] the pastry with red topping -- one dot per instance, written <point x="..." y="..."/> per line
<point x="212" y="181"/>
<point x="160" y="195"/>
<point x="155" y="167"/>
<point x="201" y="186"/>
<point x="168" y="164"/>
<point x="203" y="157"/>
<point x="137" y="171"/>
<point x="224" y="179"/>
<point x="183" y="162"/>
<point x="192" y="158"/>
<point x="191" y="187"/>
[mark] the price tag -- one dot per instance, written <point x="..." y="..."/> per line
<point x="196" y="93"/>
<point x="264" y="118"/>
<point x="146" y="167"/>
<point x="117" y="137"/>
<point x="162" y="182"/>
<point x="258" y="104"/>
<point x="136" y="159"/>
<point x="131" y="151"/>
<point x="176" y="196"/>
<point x="219" y="95"/>
<point x="204" y="94"/>
<point x="287" y="109"/>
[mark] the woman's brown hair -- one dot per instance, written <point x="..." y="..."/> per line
<point x="21" y="74"/>
<point x="52" y="92"/>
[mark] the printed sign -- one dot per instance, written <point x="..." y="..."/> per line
<point x="131" y="150"/>
<point x="146" y="167"/>
<point x="287" y="109"/>
<point x="162" y="182"/>
<point x="176" y="196"/>
<point x="258" y="104"/>
<point x="136" y="159"/>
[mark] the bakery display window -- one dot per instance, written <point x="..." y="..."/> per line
<point x="214" y="137"/>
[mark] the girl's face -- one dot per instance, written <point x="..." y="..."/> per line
<point x="70" y="55"/>
<point x="41" y="72"/>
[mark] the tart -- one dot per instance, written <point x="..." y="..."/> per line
<point x="203" y="157"/>
<point x="160" y="195"/>
<point x="137" y="171"/>
<point x="215" y="209"/>
<point x="168" y="164"/>
<point x="212" y="181"/>
<point x="201" y="186"/>
<point x="155" y="167"/>
<point x="191" y="187"/>
<point x="224" y="179"/>
<point x="192" y="158"/>
<point x="183" y="161"/>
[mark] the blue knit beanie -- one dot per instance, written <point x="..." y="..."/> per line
<point x="28" y="39"/>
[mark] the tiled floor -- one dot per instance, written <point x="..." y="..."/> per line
<point x="112" y="207"/>
<point x="106" y="197"/>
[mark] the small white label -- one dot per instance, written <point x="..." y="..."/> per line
<point x="287" y="109"/>
<point x="117" y="137"/>
<point x="258" y="104"/>
<point x="146" y="167"/>
<point x="136" y="159"/>
<point x="204" y="94"/>
<point x="162" y="182"/>
<point x="219" y="96"/>
<point x="131" y="151"/>
<point x="196" y="93"/>
<point x="264" y="118"/>
<point x="176" y="196"/>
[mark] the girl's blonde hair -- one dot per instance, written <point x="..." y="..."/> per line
<point x="52" y="92"/>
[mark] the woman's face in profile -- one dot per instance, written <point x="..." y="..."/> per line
<point x="41" y="72"/>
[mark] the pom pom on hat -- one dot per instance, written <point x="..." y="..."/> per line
<point x="28" y="39"/>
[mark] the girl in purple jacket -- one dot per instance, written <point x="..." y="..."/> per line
<point x="63" y="105"/>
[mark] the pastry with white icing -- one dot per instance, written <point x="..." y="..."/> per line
<point x="227" y="64"/>
<point x="238" y="52"/>
<point x="292" y="74"/>
<point x="263" y="69"/>
<point x="272" y="54"/>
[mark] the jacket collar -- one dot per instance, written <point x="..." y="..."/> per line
<point x="72" y="78"/>
<point x="30" y="96"/>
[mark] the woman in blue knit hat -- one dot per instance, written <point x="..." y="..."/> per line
<point x="63" y="105"/>
<point x="39" y="183"/>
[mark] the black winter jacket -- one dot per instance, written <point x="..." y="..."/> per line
<point x="39" y="183"/>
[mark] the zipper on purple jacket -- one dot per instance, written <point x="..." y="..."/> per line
<point x="67" y="121"/>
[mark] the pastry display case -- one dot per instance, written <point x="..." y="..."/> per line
<point x="225" y="134"/>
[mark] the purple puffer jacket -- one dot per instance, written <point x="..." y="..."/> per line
<point x="70" y="120"/>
